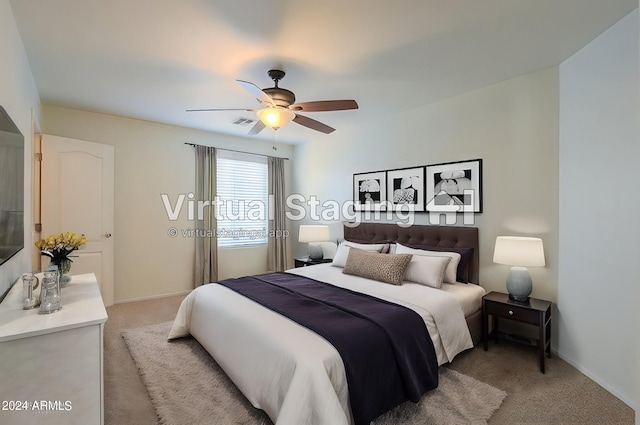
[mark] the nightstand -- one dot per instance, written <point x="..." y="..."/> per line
<point x="306" y="261"/>
<point x="534" y="312"/>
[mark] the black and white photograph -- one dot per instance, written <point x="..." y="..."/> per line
<point x="457" y="184"/>
<point x="369" y="191"/>
<point x="405" y="189"/>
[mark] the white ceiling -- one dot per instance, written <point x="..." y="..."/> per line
<point x="153" y="59"/>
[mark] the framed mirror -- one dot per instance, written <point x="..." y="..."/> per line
<point x="12" y="188"/>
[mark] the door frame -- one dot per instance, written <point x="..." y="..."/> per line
<point x="107" y="285"/>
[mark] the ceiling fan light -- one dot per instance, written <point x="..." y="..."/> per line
<point x="276" y="117"/>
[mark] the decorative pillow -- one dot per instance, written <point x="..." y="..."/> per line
<point x="379" y="247"/>
<point x="340" y="257"/>
<point x="427" y="270"/>
<point x="451" y="271"/>
<point x="466" y="254"/>
<point x="389" y="268"/>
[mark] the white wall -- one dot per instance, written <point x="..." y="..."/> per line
<point x="512" y="126"/>
<point x="20" y="99"/>
<point x="152" y="159"/>
<point x="599" y="204"/>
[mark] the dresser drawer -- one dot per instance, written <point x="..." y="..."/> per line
<point x="520" y="314"/>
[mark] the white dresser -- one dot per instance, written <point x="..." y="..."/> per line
<point x="51" y="365"/>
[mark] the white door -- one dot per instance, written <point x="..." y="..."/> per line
<point x="77" y="196"/>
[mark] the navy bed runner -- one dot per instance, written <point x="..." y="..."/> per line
<point x="386" y="350"/>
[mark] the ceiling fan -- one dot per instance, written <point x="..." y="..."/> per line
<point x="279" y="107"/>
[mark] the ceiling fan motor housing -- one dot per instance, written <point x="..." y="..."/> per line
<point x="281" y="97"/>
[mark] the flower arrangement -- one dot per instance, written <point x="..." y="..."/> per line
<point x="59" y="246"/>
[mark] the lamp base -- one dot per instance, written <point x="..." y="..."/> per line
<point x="315" y="252"/>
<point x="519" y="284"/>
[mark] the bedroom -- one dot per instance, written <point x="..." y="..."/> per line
<point x="522" y="127"/>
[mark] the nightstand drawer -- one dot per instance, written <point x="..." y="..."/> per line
<point x="513" y="312"/>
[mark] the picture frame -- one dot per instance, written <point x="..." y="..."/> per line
<point x="370" y="191"/>
<point x="406" y="189"/>
<point x="454" y="186"/>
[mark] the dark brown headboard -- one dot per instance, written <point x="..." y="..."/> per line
<point x="419" y="235"/>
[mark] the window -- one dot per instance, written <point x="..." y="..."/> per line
<point x="242" y="195"/>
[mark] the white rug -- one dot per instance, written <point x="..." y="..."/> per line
<point x="186" y="386"/>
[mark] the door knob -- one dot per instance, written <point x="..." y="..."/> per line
<point x="107" y="235"/>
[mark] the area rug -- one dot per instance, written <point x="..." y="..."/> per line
<point x="187" y="386"/>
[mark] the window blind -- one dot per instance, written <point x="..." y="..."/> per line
<point x="242" y="195"/>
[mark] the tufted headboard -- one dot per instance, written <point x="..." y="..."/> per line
<point x="419" y="236"/>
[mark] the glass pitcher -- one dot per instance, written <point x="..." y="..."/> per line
<point x="50" y="300"/>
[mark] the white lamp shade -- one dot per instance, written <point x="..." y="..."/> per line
<point x="276" y="117"/>
<point x="519" y="251"/>
<point x="313" y="233"/>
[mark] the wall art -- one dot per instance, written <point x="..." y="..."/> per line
<point x="454" y="185"/>
<point x="370" y="191"/>
<point x="405" y="189"/>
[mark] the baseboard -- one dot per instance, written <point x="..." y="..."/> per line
<point x="132" y="300"/>
<point x="597" y="380"/>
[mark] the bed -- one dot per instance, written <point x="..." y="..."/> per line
<point x="297" y="376"/>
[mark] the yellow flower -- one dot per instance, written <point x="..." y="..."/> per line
<point x="68" y="241"/>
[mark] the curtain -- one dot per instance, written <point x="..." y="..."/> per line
<point x="276" y="241"/>
<point x="206" y="264"/>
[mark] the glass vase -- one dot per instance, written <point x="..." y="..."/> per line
<point x="64" y="267"/>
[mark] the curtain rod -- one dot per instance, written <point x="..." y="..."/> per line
<point x="232" y="150"/>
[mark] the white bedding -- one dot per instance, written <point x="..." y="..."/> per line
<point x="468" y="295"/>
<point x="291" y="373"/>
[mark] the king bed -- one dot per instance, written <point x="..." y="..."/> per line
<point x="302" y="376"/>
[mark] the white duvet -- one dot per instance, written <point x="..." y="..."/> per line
<point x="291" y="373"/>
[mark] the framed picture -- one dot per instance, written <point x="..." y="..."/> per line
<point x="369" y="191"/>
<point x="454" y="184"/>
<point x="405" y="189"/>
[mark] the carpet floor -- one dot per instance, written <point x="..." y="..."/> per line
<point x="186" y="386"/>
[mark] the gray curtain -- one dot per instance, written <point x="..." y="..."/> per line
<point x="206" y="264"/>
<point x="277" y="253"/>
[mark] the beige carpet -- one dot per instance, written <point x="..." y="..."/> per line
<point x="187" y="387"/>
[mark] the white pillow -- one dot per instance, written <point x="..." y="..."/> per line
<point x="342" y="253"/>
<point x="450" y="273"/>
<point x="379" y="247"/>
<point x="427" y="270"/>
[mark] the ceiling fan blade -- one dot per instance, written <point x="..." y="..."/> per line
<point x="325" y="105"/>
<point x="217" y="109"/>
<point x="263" y="98"/>
<point x="313" y="124"/>
<point x="256" y="128"/>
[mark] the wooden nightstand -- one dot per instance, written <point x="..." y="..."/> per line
<point x="534" y="312"/>
<point x="306" y="261"/>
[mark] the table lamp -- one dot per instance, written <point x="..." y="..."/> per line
<point x="313" y="233"/>
<point x="519" y="252"/>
